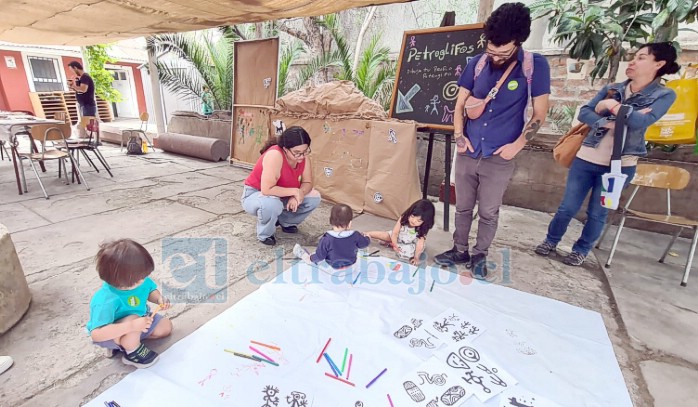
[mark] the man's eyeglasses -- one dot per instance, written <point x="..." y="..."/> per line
<point x="502" y="55"/>
<point x="299" y="154"/>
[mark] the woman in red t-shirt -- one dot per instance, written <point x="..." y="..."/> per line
<point x="279" y="190"/>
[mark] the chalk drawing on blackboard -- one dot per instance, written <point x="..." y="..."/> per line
<point x="482" y="41"/>
<point x="413" y="41"/>
<point x="403" y="101"/>
<point x="448" y="115"/>
<point x="467" y="59"/>
<point x="450" y="91"/>
<point x="459" y="70"/>
<point x="433" y="105"/>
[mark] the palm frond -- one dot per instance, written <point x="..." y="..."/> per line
<point x="316" y="65"/>
<point x="331" y="23"/>
<point x="191" y="60"/>
<point x="289" y="54"/>
<point x="177" y="78"/>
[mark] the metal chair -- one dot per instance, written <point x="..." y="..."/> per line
<point x="90" y="126"/>
<point x="50" y="133"/>
<point x="143" y="129"/>
<point x="662" y="177"/>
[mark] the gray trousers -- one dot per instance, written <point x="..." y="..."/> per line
<point x="483" y="180"/>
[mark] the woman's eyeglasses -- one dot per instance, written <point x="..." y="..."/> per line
<point x="299" y="154"/>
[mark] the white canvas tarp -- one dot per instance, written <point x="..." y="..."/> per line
<point x="556" y="353"/>
<point x="87" y="22"/>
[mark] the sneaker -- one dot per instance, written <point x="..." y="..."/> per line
<point x="574" y="259"/>
<point x="299" y="251"/>
<point x="452" y="257"/>
<point x="270" y="241"/>
<point x="5" y="363"/>
<point x="545" y="248"/>
<point x="478" y="265"/>
<point x="288" y="229"/>
<point x="141" y="357"/>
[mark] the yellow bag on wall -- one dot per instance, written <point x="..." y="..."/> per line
<point x="678" y="125"/>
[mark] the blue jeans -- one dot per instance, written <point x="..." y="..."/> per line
<point x="583" y="176"/>
<point x="270" y="209"/>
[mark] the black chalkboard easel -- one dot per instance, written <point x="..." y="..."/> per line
<point x="426" y="85"/>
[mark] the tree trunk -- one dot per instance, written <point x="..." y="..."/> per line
<point x="614" y="62"/>
<point x="484" y="10"/>
<point x="259" y="30"/>
<point x="360" y="38"/>
<point x="315" y="38"/>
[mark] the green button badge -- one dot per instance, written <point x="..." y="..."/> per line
<point x="133" y="301"/>
<point x="512" y="85"/>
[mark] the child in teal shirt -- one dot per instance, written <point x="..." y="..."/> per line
<point x="119" y="319"/>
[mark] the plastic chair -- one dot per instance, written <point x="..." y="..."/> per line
<point x="143" y="129"/>
<point x="662" y="177"/>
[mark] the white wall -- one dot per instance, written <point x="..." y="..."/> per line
<point x="171" y="102"/>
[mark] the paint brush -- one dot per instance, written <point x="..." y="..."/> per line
<point x="357" y="278"/>
<point x="242" y="355"/>
<point x="157" y="309"/>
<point x="276" y="348"/>
<point x="349" y="367"/>
<point x="323" y="351"/>
<point x="376" y="378"/>
<point x="259" y="352"/>
<point x="432" y="285"/>
<point x="340" y="379"/>
<point x="344" y="361"/>
<point x="334" y="367"/>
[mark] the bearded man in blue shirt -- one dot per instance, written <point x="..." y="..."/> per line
<point x="488" y="144"/>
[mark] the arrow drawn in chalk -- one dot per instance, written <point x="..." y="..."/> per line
<point x="403" y="101"/>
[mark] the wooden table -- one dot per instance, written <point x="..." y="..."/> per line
<point x="9" y="121"/>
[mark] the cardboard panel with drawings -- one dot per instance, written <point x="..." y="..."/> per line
<point x="392" y="179"/>
<point x="251" y="129"/>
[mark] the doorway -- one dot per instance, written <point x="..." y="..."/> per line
<point x="123" y="83"/>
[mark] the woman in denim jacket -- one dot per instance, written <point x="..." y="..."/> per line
<point x="648" y="101"/>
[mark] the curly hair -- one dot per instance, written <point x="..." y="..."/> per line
<point x="510" y="22"/>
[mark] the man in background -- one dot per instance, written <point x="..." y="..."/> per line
<point x="84" y="86"/>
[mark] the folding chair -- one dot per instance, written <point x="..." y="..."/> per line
<point x="90" y="126"/>
<point x="3" y="151"/>
<point x="662" y="177"/>
<point x="142" y="130"/>
<point x="55" y="133"/>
